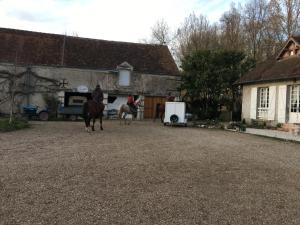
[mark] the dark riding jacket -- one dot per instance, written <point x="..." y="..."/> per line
<point x="97" y="95"/>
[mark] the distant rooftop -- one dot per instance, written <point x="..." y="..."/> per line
<point x="285" y="67"/>
<point x="34" y="48"/>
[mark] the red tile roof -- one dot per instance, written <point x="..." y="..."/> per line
<point x="34" y="48"/>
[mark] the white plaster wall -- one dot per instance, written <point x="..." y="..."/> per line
<point x="246" y="103"/>
<point x="247" y="97"/>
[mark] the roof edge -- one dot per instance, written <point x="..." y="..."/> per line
<point x="267" y="80"/>
<point x="79" y="37"/>
<point x="292" y="38"/>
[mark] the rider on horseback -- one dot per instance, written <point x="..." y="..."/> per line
<point x="93" y="109"/>
<point x="97" y="94"/>
<point x="130" y="103"/>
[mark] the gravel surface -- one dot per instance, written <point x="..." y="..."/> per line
<point x="145" y="173"/>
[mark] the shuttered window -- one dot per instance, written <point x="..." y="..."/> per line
<point x="124" y="77"/>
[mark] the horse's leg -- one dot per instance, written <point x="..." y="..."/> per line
<point x="161" y="117"/>
<point x="101" y="128"/>
<point x="131" y="120"/>
<point x="120" y="115"/>
<point x="124" y="117"/>
<point x="93" y="127"/>
<point x="87" y="123"/>
<point x="86" y="117"/>
<point x="156" y="114"/>
<point x="128" y="119"/>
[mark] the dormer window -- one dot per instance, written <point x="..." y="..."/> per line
<point x="291" y="49"/>
<point x="124" y="77"/>
<point x="125" y="70"/>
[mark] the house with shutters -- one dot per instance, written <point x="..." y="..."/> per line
<point x="271" y="91"/>
<point x="79" y="64"/>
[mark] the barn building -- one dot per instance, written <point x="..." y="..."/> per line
<point x="79" y="64"/>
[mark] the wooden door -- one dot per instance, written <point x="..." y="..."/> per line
<point x="294" y="114"/>
<point x="150" y="105"/>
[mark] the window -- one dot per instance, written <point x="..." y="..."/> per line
<point x="124" y="77"/>
<point x="295" y="99"/>
<point x="263" y="104"/>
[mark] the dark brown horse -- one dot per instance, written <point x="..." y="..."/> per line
<point x="160" y="112"/>
<point x="92" y="110"/>
<point x="160" y="109"/>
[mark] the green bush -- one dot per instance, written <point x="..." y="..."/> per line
<point x="16" y="124"/>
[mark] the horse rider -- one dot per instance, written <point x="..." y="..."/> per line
<point x="130" y="103"/>
<point x="97" y="94"/>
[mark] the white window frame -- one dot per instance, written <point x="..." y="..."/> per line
<point x="263" y="102"/>
<point x="121" y="79"/>
<point x="295" y="99"/>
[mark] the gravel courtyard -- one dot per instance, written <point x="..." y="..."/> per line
<point x="145" y="173"/>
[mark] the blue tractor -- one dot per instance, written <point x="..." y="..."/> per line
<point x="33" y="112"/>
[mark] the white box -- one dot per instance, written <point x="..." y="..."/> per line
<point x="175" y="113"/>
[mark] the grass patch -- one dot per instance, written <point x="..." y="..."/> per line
<point x="16" y="124"/>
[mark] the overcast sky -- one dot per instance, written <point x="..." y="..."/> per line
<point x="120" y="20"/>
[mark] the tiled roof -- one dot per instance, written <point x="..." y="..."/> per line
<point x="273" y="70"/>
<point x="34" y="48"/>
<point x="297" y="38"/>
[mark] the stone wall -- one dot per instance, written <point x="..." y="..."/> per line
<point x="71" y="78"/>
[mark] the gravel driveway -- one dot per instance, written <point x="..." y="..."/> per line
<point x="144" y="173"/>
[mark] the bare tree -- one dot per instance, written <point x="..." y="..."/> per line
<point x="161" y="33"/>
<point x="290" y="11"/>
<point x="232" y="30"/>
<point x="196" y="33"/>
<point x="255" y="16"/>
<point x="259" y="28"/>
<point x="287" y="13"/>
